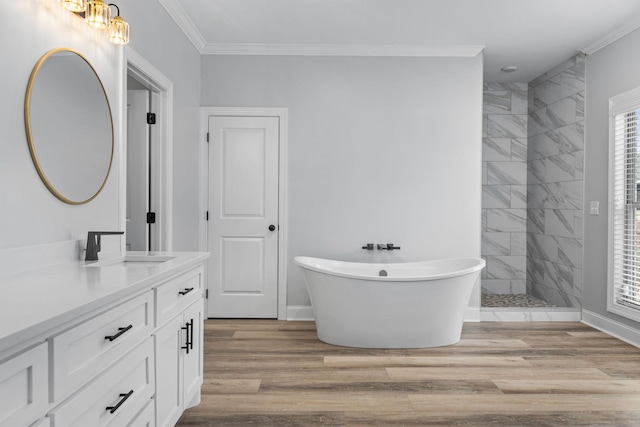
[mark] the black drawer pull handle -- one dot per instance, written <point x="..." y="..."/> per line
<point x="186" y="291"/>
<point x="189" y="336"/>
<point x="124" y="397"/>
<point x="120" y="332"/>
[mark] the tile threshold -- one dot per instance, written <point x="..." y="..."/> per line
<point x="530" y="314"/>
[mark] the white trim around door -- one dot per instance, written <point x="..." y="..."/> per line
<point x="282" y="114"/>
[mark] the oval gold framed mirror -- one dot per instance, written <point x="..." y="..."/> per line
<point x="69" y="126"/>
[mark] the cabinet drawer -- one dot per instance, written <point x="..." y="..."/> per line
<point x="45" y="422"/>
<point x="146" y="418"/>
<point x="83" y="351"/>
<point x="24" y="387"/>
<point x="177" y="294"/>
<point x="115" y="397"/>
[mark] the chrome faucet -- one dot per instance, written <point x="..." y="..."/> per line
<point x="93" y="243"/>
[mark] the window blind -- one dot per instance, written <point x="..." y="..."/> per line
<point x="624" y="287"/>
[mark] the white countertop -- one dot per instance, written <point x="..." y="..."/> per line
<point x="34" y="302"/>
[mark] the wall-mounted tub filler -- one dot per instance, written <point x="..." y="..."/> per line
<point x="93" y="243"/>
<point x="387" y="247"/>
<point x="368" y="246"/>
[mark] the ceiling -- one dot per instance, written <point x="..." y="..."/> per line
<point x="534" y="35"/>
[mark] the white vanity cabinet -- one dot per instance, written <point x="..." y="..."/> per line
<point x="146" y="418"/>
<point x="116" y="346"/>
<point x="176" y="295"/>
<point x="178" y="343"/>
<point x="193" y="359"/>
<point x="44" y="422"/>
<point x="116" y="396"/>
<point x="24" y="387"/>
<point x="82" y="351"/>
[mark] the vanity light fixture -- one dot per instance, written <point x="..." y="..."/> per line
<point x="73" y="5"/>
<point x="118" y="31"/>
<point x="98" y="14"/>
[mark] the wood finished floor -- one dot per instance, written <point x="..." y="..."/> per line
<point x="276" y="373"/>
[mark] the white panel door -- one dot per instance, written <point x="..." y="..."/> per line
<point x="243" y="217"/>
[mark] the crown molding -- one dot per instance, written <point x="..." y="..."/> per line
<point x="178" y="14"/>
<point x="606" y="39"/>
<point x="340" y="50"/>
<point x="175" y="10"/>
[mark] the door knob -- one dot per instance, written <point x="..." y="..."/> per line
<point x="272" y="227"/>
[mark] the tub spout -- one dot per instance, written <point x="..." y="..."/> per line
<point x="387" y="247"/>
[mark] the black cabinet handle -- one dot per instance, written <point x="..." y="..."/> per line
<point x="186" y="291"/>
<point x="120" y="332"/>
<point x="188" y="345"/>
<point x="124" y="397"/>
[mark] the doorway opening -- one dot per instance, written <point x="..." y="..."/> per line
<point x="149" y="148"/>
<point x="141" y="150"/>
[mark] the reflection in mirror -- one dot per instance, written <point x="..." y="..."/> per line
<point x="69" y="126"/>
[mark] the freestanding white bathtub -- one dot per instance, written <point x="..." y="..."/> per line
<point x="416" y="305"/>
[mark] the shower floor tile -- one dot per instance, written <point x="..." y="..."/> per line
<point x="513" y="300"/>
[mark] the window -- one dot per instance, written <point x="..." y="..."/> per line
<point x="624" y="215"/>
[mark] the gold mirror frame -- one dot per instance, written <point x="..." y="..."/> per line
<point x="29" y="132"/>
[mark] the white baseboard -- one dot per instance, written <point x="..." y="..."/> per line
<point x="305" y="313"/>
<point x="472" y="314"/>
<point x="300" y="313"/>
<point x="615" y="329"/>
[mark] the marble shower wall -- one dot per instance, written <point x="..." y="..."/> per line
<point x="504" y="188"/>
<point x="555" y="184"/>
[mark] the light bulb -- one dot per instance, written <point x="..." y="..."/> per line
<point x="73" y="5"/>
<point x="98" y="14"/>
<point x="118" y="32"/>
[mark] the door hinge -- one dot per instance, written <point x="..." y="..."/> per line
<point x="151" y="118"/>
<point x="151" y="217"/>
<point x="207" y="136"/>
<point x="207" y="215"/>
<point x="206" y="294"/>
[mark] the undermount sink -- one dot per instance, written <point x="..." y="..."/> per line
<point x="133" y="260"/>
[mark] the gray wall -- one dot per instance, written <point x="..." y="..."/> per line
<point x="555" y="181"/>
<point x="610" y="71"/>
<point x="380" y="150"/>
<point x="30" y="215"/>
<point x="504" y="188"/>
